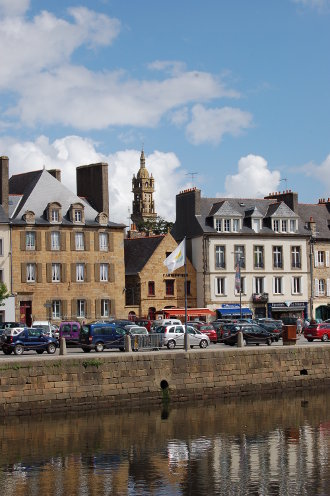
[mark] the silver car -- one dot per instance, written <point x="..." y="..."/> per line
<point x="174" y="336"/>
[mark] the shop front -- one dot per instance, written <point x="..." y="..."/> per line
<point x="288" y="310"/>
<point x="233" y="311"/>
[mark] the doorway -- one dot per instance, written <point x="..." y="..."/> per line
<point x="25" y="313"/>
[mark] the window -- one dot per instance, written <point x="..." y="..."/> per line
<point x="321" y="287"/>
<point x="259" y="285"/>
<point x="1" y="275"/>
<point x="30" y="240"/>
<point x="218" y="225"/>
<point x="243" y="286"/>
<point x="239" y="256"/>
<point x="103" y="241"/>
<point x="1" y="247"/>
<point x="56" y="272"/>
<point x="220" y="257"/>
<point x="55" y="215"/>
<point x="188" y="288"/>
<point x="104" y="273"/>
<point x="80" y="272"/>
<point x="256" y="225"/>
<point x="235" y="225"/>
<point x="30" y="272"/>
<point x="284" y="225"/>
<point x="56" y="309"/>
<point x="169" y="287"/>
<point x="81" y="308"/>
<point x="151" y="288"/>
<point x="79" y="241"/>
<point x="276" y="225"/>
<point x="105" y="308"/>
<point x="226" y="225"/>
<point x="292" y="225"/>
<point x="296" y="285"/>
<point x="55" y="240"/>
<point x="320" y="258"/>
<point x="258" y="257"/>
<point x="277" y="257"/>
<point x="77" y="215"/>
<point x="295" y="257"/>
<point x="220" y="286"/>
<point x="278" y="285"/>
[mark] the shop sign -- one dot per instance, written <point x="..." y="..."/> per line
<point x="289" y="304"/>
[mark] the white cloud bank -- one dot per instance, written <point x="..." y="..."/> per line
<point x="70" y="152"/>
<point x="320" y="5"/>
<point x="319" y="172"/>
<point x="254" y="179"/>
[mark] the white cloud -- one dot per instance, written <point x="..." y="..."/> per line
<point x="320" y="5"/>
<point x="320" y="173"/>
<point x="14" y="7"/>
<point x="253" y="179"/>
<point x="210" y="125"/>
<point x="70" y="152"/>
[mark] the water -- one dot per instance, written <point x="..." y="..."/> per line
<point x="272" y="446"/>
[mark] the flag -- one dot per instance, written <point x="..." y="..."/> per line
<point x="177" y="257"/>
<point x="238" y="278"/>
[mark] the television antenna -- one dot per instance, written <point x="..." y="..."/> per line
<point x="192" y="174"/>
<point x="286" y="182"/>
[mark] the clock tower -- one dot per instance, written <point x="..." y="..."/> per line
<point x="143" y="187"/>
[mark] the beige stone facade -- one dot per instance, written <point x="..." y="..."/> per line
<point x="154" y="288"/>
<point x="320" y="279"/>
<point x="45" y="279"/>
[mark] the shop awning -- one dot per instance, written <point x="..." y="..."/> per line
<point x="234" y="311"/>
<point x="191" y="312"/>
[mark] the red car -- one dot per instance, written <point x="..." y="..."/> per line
<point x="206" y="329"/>
<point x="318" y="331"/>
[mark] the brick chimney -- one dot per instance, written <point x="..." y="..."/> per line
<point x="55" y="173"/>
<point x="288" y="197"/>
<point x="4" y="183"/>
<point x="92" y="183"/>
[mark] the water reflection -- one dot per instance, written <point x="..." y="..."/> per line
<point x="275" y="446"/>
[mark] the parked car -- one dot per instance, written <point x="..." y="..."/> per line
<point x="273" y="329"/>
<point x="164" y="322"/>
<point x="102" y="336"/>
<point x="45" y="325"/>
<point x="135" y="330"/>
<point x="207" y="329"/>
<point x="173" y="336"/>
<point x="70" y="331"/>
<point x="144" y="323"/>
<point x="223" y="330"/>
<point x="318" y="331"/>
<point x="18" y="340"/>
<point x="252" y="334"/>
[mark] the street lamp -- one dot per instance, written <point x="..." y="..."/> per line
<point x="238" y="287"/>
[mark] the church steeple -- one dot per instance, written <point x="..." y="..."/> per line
<point x="143" y="187"/>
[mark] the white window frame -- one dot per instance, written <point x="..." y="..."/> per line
<point x="218" y="225"/>
<point x="278" y="285"/>
<point x="78" y="215"/>
<point x="30" y="240"/>
<point x="243" y="286"/>
<point x="239" y="256"/>
<point x="80" y="272"/>
<point x="258" y="253"/>
<point x="56" y="272"/>
<point x="292" y="225"/>
<point x="284" y="224"/>
<point x="236" y="225"/>
<point x="55" y="215"/>
<point x="55" y="241"/>
<point x="31" y="272"/>
<point x="259" y="285"/>
<point x="322" y="287"/>
<point x="295" y="257"/>
<point x="81" y="308"/>
<point x="220" y="286"/>
<point x="320" y="258"/>
<point x="278" y="257"/>
<point x="56" y="309"/>
<point x="256" y="225"/>
<point x="79" y="241"/>
<point x="296" y="285"/>
<point x="226" y="225"/>
<point x="276" y="225"/>
<point x="220" y="255"/>
<point x="104" y="272"/>
<point x="103" y="241"/>
<point x="105" y="308"/>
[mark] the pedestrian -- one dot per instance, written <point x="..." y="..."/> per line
<point x="299" y="325"/>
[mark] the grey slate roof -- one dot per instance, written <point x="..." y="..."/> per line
<point x="138" y="251"/>
<point x="3" y="217"/>
<point x="280" y="210"/>
<point x="225" y="208"/>
<point x="40" y="189"/>
<point x="321" y="215"/>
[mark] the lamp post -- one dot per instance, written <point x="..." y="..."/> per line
<point x="312" y="241"/>
<point x="238" y="287"/>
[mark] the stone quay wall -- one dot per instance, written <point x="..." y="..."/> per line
<point x="52" y="384"/>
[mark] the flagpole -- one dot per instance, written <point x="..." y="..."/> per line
<point x="185" y="295"/>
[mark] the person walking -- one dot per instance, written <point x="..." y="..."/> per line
<point x="299" y="326"/>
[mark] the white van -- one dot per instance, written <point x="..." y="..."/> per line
<point x="45" y="325"/>
<point x="165" y="322"/>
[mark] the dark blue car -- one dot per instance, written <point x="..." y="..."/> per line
<point x="19" y="340"/>
<point x="100" y="336"/>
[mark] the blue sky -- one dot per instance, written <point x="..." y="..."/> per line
<point x="236" y="91"/>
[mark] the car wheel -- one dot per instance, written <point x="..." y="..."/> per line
<point x="99" y="347"/>
<point x="86" y="350"/>
<point x="244" y="342"/>
<point x="269" y="342"/>
<point x="121" y="349"/>
<point x="203" y="343"/>
<point x="19" y="349"/>
<point x="7" y="352"/>
<point x="40" y="352"/>
<point x="325" y="337"/>
<point x="310" y="340"/>
<point x="171" y="345"/>
<point x="51" y="348"/>
<point x="191" y="346"/>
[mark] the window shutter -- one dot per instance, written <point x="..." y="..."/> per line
<point x="292" y="285"/>
<point x="88" y="309"/>
<point x="49" y="272"/>
<point x="216" y="286"/>
<point x="254" y="286"/>
<point x="63" y="272"/>
<point x="23" y="272"/>
<point x="97" y="272"/>
<point x="112" y="307"/>
<point x="63" y="241"/>
<point x="225" y="286"/>
<point x="316" y="287"/>
<point x="265" y="284"/>
<point x="327" y="259"/>
<point x="97" y="309"/>
<point x="273" y="285"/>
<point x="38" y="240"/>
<point x="73" y="273"/>
<point x="64" y="309"/>
<point x="72" y="241"/>
<point x="39" y="272"/>
<point x="111" y="242"/>
<point x="87" y="240"/>
<point x="88" y="272"/>
<point x="328" y="287"/>
<point x="283" y="285"/>
<point x="316" y="263"/>
<point x="74" y="309"/>
<point x="48" y="245"/>
<point x="112" y="273"/>
<point x="23" y="240"/>
<point x="96" y="241"/>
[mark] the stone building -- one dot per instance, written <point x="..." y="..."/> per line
<point x="143" y="187"/>
<point x="67" y="257"/>
<point x="148" y="286"/>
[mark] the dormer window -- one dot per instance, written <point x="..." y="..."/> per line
<point x="256" y="225"/>
<point x="55" y="215"/>
<point x="235" y="225"/>
<point x="284" y="225"/>
<point x="218" y="225"/>
<point x="226" y="225"/>
<point x="276" y="225"/>
<point x="77" y="215"/>
<point x="293" y="225"/>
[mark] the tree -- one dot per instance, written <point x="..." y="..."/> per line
<point x="155" y="226"/>
<point x="3" y="292"/>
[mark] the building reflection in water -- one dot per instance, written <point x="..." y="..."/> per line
<point x="274" y="446"/>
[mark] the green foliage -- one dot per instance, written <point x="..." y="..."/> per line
<point x="94" y="362"/>
<point x="3" y="292"/>
<point x="155" y="226"/>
